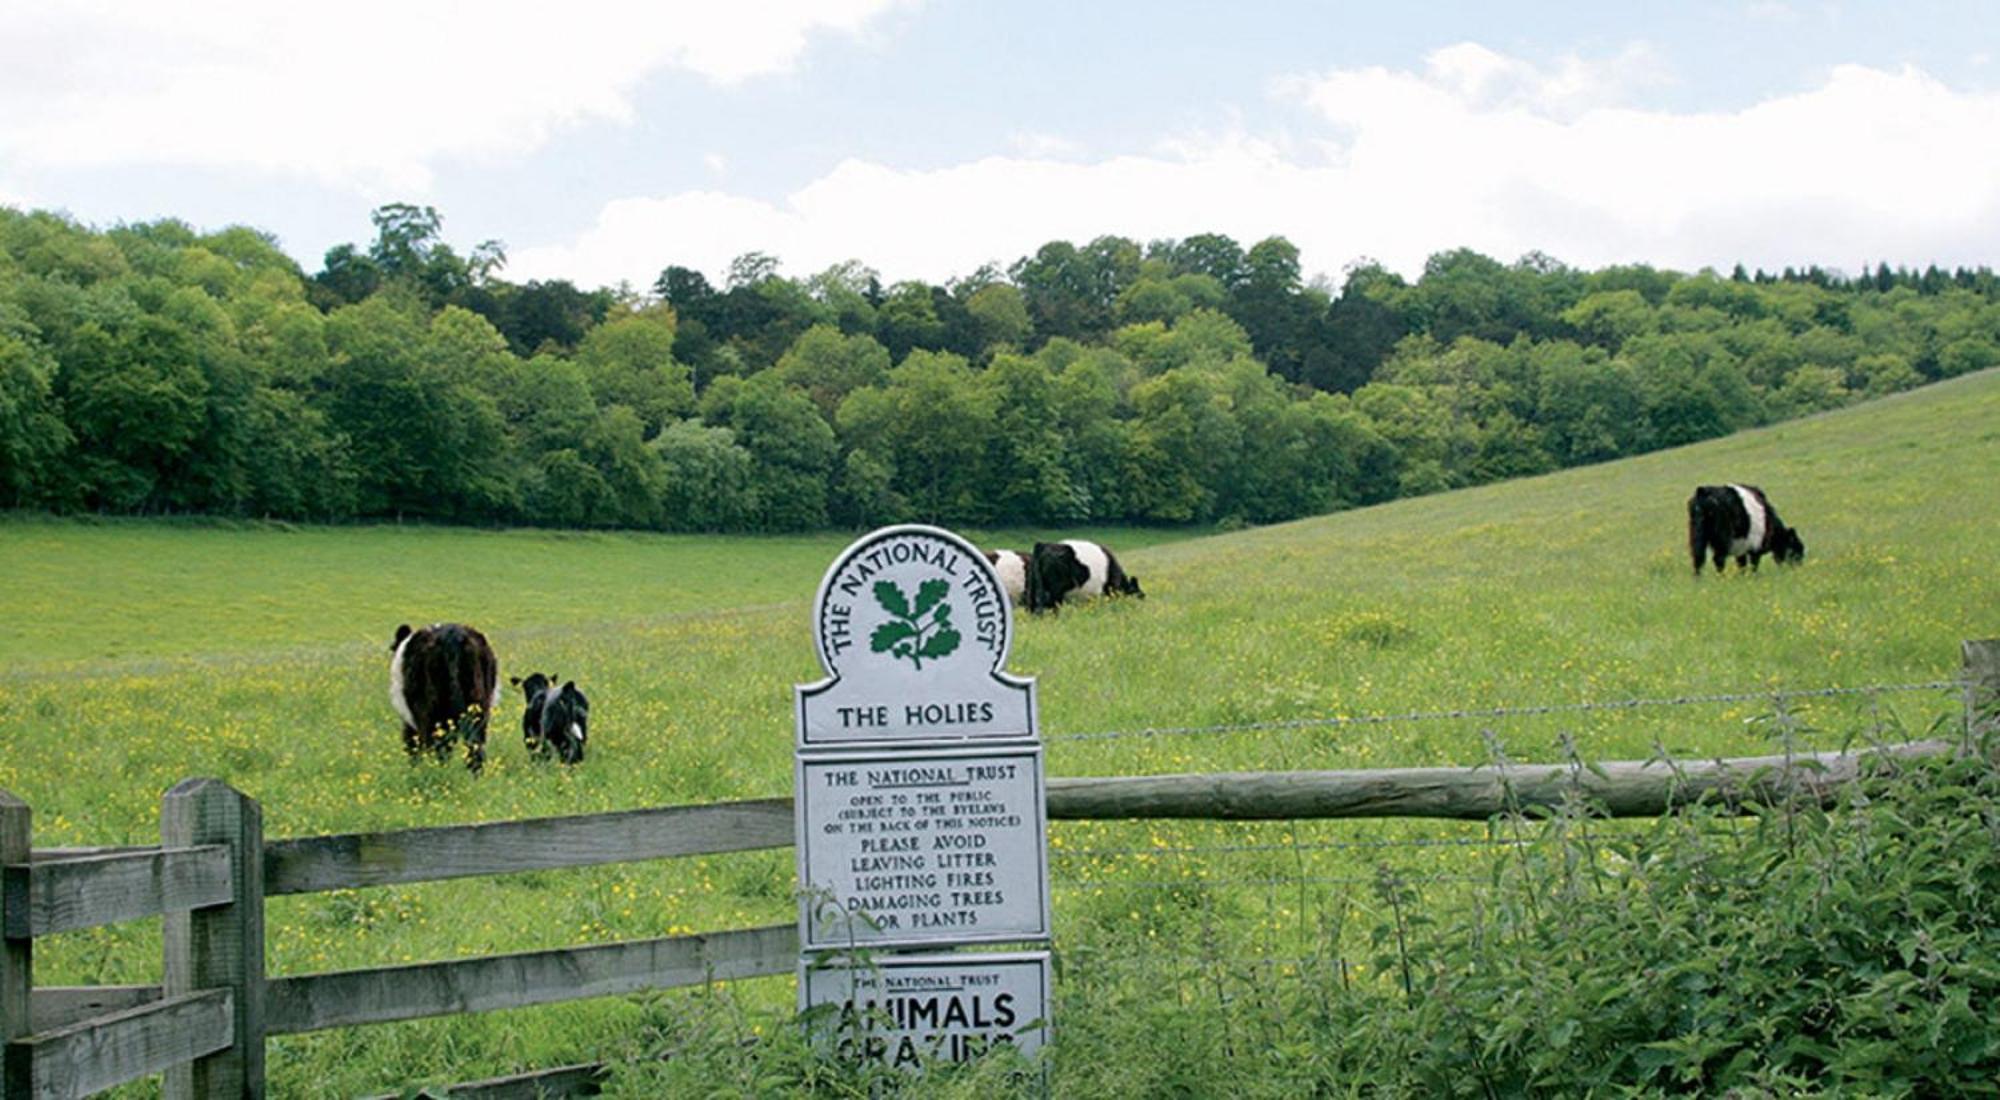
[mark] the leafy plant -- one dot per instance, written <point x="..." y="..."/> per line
<point x="908" y="635"/>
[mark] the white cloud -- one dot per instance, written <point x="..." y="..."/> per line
<point x="1481" y="79"/>
<point x="366" y="93"/>
<point x="1039" y="146"/>
<point x="1477" y="150"/>
<point x="927" y="224"/>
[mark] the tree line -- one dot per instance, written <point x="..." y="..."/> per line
<point x="151" y="368"/>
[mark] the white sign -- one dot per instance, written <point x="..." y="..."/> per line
<point x="904" y="1010"/>
<point x="912" y="626"/>
<point x="904" y="848"/>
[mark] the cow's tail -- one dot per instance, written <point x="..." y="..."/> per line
<point x="454" y="689"/>
<point x="1695" y="541"/>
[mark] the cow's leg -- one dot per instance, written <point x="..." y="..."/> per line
<point x="1755" y="557"/>
<point x="413" y="744"/>
<point x="475" y="746"/>
<point x="468" y="729"/>
<point x="440" y="740"/>
<point x="531" y="729"/>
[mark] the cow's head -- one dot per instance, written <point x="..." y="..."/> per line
<point x="1787" y="546"/>
<point x="1129" y="586"/>
<point x="534" y="685"/>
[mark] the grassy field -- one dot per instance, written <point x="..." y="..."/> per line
<point x="137" y="654"/>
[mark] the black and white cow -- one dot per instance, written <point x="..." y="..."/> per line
<point x="1737" y="521"/>
<point x="1074" y="567"/>
<point x="557" y="719"/>
<point x="445" y="682"/>
<point x="1012" y="565"/>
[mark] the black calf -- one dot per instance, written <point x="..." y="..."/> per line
<point x="557" y="719"/>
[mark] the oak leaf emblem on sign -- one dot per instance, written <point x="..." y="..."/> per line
<point x="919" y="632"/>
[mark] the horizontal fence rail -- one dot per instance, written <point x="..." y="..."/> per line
<point x="584" y="1079"/>
<point x="504" y="847"/>
<point x="58" y="1006"/>
<point x="1624" y="789"/>
<point x="97" y="1054"/>
<point x="89" y="891"/>
<point x="347" y="998"/>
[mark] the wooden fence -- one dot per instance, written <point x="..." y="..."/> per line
<point x="205" y="1026"/>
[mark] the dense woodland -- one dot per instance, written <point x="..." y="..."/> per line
<point x="152" y="369"/>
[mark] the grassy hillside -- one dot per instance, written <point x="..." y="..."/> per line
<point x="138" y="654"/>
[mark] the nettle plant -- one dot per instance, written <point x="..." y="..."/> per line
<point x="909" y="635"/>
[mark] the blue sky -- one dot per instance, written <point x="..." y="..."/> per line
<point x="605" y="139"/>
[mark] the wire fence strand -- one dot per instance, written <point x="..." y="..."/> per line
<point x="1401" y="881"/>
<point x="1779" y="696"/>
<point x="1186" y="850"/>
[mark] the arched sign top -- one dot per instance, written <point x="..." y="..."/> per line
<point x="913" y="598"/>
<point x="912" y="626"/>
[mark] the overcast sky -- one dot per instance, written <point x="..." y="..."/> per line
<point x="603" y="140"/>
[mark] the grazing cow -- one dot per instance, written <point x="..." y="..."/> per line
<point x="557" y="719"/>
<point x="1012" y="565"/>
<point x="1074" y="567"/>
<point x="1737" y="521"/>
<point x="445" y="682"/>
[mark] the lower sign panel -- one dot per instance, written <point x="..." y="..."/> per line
<point x="906" y="1010"/>
<point x="922" y="848"/>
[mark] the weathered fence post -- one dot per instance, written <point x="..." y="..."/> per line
<point x="17" y="971"/>
<point x="222" y="946"/>
<point x="1981" y="662"/>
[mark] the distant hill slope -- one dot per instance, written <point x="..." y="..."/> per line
<point x="1576" y="585"/>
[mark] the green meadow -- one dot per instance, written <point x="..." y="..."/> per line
<point x="1433" y="631"/>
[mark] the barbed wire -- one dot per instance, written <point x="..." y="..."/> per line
<point x="1314" y="846"/>
<point x="1277" y="880"/>
<point x="1607" y="828"/>
<point x="1777" y="695"/>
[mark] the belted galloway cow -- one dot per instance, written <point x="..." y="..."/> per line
<point x="445" y="683"/>
<point x="1075" y="568"/>
<point x="1012" y="566"/>
<point x="1737" y="521"/>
